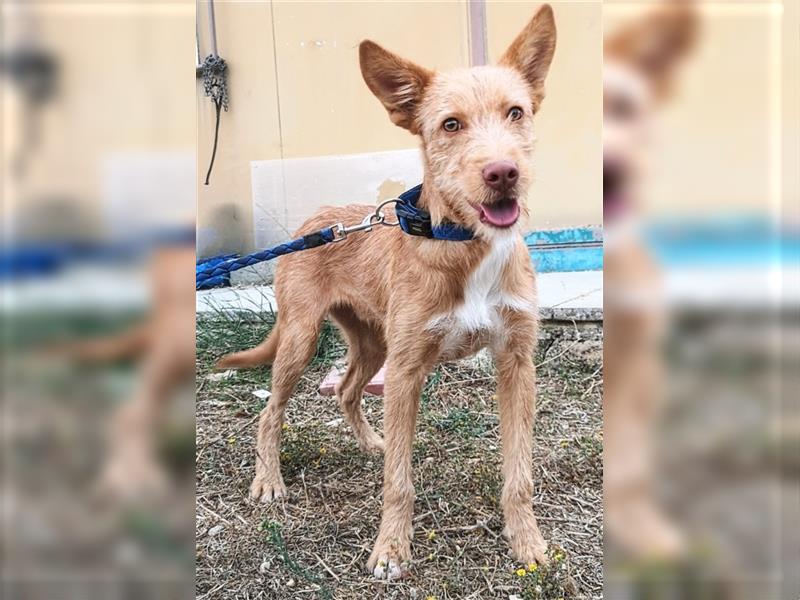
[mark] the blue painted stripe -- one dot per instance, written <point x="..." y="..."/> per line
<point x="572" y="235"/>
<point x="566" y="250"/>
<point x="567" y="259"/>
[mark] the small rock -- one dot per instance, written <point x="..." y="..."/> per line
<point x="220" y="376"/>
<point x="334" y="422"/>
<point x="263" y="394"/>
<point x="216" y="530"/>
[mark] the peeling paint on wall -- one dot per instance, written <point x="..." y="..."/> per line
<point x="392" y="188"/>
<point x="286" y="193"/>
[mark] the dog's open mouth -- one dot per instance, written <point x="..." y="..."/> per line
<point x="503" y="213"/>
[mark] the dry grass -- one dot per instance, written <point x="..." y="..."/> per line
<point x="315" y="544"/>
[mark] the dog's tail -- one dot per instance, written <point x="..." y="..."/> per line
<point x="263" y="354"/>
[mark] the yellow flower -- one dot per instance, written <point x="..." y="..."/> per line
<point x="232" y="440"/>
<point x="322" y="451"/>
<point x="521" y="572"/>
<point x="558" y="556"/>
<point x="532" y="567"/>
<point x="564" y="443"/>
<point x="431" y="534"/>
<point x="284" y="427"/>
<point x="494" y="396"/>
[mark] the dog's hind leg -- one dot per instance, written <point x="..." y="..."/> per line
<point x="300" y="329"/>
<point x="366" y="353"/>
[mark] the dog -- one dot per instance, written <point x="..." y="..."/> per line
<point x="414" y="302"/>
<point x="639" y="71"/>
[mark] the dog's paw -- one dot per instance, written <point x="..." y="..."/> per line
<point x="372" y="445"/>
<point x="388" y="568"/>
<point x="529" y="551"/>
<point x="266" y="489"/>
<point x="528" y="546"/>
<point x="386" y="562"/>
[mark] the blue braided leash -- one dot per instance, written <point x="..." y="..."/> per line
<point x="215" y="275"/>
<point x="411" y="219"/>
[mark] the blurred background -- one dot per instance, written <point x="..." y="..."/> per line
<point x="98" y="246"/>
<point x="702" y="257"/>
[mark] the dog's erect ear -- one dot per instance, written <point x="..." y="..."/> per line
<point x="397" y="83"/>
<point x="532" y="51"/>
<point x="657" y="43"/>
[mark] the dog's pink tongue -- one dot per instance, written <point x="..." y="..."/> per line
<point x="500" y="214"/>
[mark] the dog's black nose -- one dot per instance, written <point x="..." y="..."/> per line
<point x="500" y="175"/>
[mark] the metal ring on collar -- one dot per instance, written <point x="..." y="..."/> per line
<point x="379" y="212"/>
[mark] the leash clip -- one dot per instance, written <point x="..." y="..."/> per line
<point x="340" y="232"/>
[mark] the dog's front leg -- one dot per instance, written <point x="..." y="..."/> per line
<point x="516" y="391"/>
<point x="410" y="358"/>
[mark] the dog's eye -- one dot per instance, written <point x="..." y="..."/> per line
<point x="451" y="125"/>
<point x="515" y="114"/>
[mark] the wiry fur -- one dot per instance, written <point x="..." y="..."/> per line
<point x="413" y="302"/>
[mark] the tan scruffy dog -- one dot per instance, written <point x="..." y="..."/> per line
<point x="413" y="302"/>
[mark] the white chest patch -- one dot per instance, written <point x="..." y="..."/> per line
<point x="483" y="298"/>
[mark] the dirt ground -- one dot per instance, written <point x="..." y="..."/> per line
<point x="316" y="542"/>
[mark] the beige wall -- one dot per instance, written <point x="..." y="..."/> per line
<point x="296" y="92"/>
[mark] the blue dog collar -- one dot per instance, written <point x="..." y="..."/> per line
<point x="415" y="221"/>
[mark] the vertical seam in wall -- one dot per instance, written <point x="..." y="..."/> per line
<point x="477" y="32"/>
<point x="197" y="31"/>
<point x="280" y="119"/>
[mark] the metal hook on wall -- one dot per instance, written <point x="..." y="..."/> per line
<point x="214" y="73"/>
